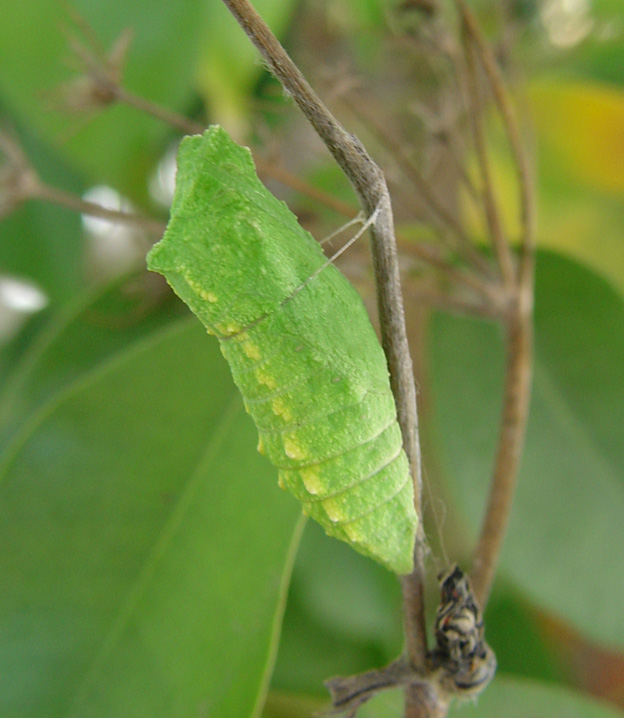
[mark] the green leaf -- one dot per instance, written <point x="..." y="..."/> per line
<point x="515" y="633"/>
<point x="79" y="338"/>
<point x="585" y="224"/>
<point x="300" y="345"/>
<point x="505" y="698"/>
<point x="284" y="705"/>
<point x="566" y="524"/>
<point x="347" y="594"/>
<point x="343" y="616"/>
<point x="141" y="575"/>
<point x="42" y="243"/>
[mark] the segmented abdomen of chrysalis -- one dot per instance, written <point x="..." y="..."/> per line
<point x="300" y="346"/>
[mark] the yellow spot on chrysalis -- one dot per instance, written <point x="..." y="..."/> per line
<point x="333" y="510"/>
<point x="280" y="481"/>
<point x="353" y="532"/>
<point x="200" y="291"/>
<point x="191" y="282"/>
<point x="279" y="409"/>
<point x="225" y="329"/>
<point x="261" y="447"/>
<point x="312" y="480"/>
<point x="251" y="350"/>
<point x="293" y="450"/>
<point x="265" y="379"/>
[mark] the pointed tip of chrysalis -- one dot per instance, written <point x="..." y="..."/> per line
<point x="152" y="259"/>
<point x="158" y="259"/>
<point x="213" y="146"/>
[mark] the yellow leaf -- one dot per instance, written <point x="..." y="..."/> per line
<point x="582" y="124"/>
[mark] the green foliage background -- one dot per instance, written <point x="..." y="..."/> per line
<point x="145" y="549"/>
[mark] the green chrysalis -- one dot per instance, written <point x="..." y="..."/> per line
<point x="300" y="346"/>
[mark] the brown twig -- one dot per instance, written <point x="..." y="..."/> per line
<point x="370" y="186"/>
<point x="444" y="137"/>
<point x="487" y="291"/>
<point x="47" y="193"/>
<point x="521" y="162"/>
<point x="440" y="216"/>
<point x="519" y="331"/>
<point x="22" y="183"/>
<point x="475" y="115"/>
<point x="350" y="692"/>
<point x="436" y="121"/>
<point x="18" y="179"/>
<point x="173" y="119"/>
<point x="511" y="438"/>
<point x="455" y="304"/>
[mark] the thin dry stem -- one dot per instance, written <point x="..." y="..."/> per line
<point x="18" y="179"/>
<point x="173" y="119"/>
<point x="438" y="123"/>
<point x="22" y="183"/>
<point x="47" y="193"/>
<point x="501" y="247"/>
<point x="446" y="140"/>
<point x="349" y="693"/>
<point x="423" y="700"/>
<point x="441" y="218"/>
<point x="283" y="176"/>
<point x="454" y="304"/>
<point x="511" y="438"/>
<point x="455" y="275"/>
<point x="525" y="178"/>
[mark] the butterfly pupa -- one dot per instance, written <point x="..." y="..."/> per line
<point x="303" y="353"/>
